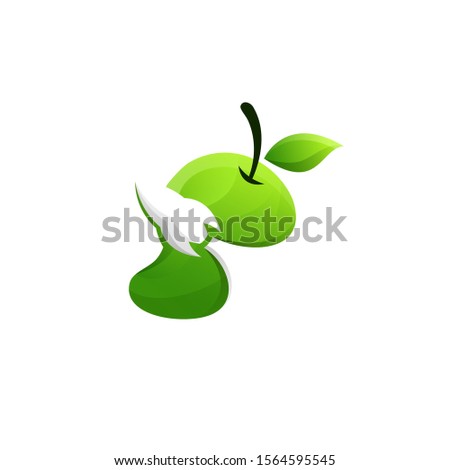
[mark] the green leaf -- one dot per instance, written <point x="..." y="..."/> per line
<point x="300" y="152"/>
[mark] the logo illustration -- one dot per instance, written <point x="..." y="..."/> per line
<point x="252" y="208"/>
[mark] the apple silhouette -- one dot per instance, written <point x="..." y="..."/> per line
<point x="252" y="207"/>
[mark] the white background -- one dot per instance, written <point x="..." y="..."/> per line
<point x="337" y="348"/>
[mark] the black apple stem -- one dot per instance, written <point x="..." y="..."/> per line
<point x="255" y="126"/>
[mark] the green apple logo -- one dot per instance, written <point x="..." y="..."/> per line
<point x="188" y="280"/>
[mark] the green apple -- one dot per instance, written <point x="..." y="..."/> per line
<point x="250" y="203"/>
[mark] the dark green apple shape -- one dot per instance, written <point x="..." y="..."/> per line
<point x="179" y="285"/>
